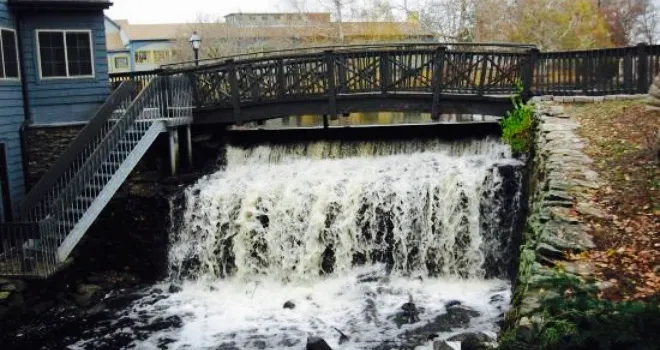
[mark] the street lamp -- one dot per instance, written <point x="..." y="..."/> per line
<point x="195" y="42"/>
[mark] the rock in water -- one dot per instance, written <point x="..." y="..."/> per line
<point x="445" y="345"/>
<point x="316" y="343"/>
<point x="342" y="337"/>
<point x="174" y="288"/>
<point x="471" y="341"/>
<point x="410" y="310"/>
<point x="289" y="305"/>
<point x="452" y="303"/>
<point x="86" y="294"/>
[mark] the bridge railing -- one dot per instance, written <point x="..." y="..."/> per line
<point x="500" y="47"/>
<point x="624" y="70"/>
<point x="141" y="78"/>
<point x="336" y="73"/>
<point x="333" y="75"/>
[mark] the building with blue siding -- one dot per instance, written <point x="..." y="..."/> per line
<point x="53" y="74"/>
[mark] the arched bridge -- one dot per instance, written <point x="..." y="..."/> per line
<point x="471" y="78"/>
<point x="475" y="79"/>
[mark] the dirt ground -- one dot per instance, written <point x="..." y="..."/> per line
<point x="623" y="139"/>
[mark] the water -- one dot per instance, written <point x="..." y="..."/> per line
<point x="371" y="119"/>
<point x="348" y="232"/>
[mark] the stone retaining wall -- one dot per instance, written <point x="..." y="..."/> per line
<point x="44" y="145"/>
<point x="587" y="99"/>
<point x="560" y="181"/>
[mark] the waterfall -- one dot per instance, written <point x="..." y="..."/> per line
<point x="342" y="234"/>
<point x="303" y="210"/>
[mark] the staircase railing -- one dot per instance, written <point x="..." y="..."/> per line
<point x="35" y="204"/>
<point x="63" y="206"/>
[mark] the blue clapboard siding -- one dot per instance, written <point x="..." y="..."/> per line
<point x="11" y="118"/>
<point x="61" y="101"/>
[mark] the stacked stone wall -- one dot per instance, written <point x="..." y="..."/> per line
<point x="561" y="179"/>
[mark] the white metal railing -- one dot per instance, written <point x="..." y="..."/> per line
<point x="40" y="244"/>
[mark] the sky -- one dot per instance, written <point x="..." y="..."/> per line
<point x="183" y="11"/>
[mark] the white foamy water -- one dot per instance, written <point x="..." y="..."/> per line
<point x="233" y="314"/>
<point x="288" y="212"/>
<point x="306" y="223"/>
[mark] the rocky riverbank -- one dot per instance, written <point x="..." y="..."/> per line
<point x="560" y="181"/>
<point x="124" y="251"/>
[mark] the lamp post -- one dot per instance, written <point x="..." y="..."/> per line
<point x="195" y="42"/>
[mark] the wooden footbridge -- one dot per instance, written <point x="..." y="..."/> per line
<point x="432" y="78"/>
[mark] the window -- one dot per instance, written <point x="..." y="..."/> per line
<point x="161" y="56"/>
<point x="141" y="57"/>
<point x="8" y="54"/>
<point x="121" y="62"/>
<point x="65" y="53"/>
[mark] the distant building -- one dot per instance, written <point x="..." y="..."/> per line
<point x="276" y="19"/>
<point x="140" y="47"/>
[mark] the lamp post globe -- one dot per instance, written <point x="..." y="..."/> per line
<point x="195" y="42"/>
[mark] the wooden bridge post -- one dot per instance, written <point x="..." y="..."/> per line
<point x="384" y="72"/>
<point x="281" y="80"/>
<point x="235" y="92"/>
<point x="174" y="149"/>
<point x="193" y="85"/>
<point x="438" y="67"/>
<point x="189" y="146"/>
<point x="628" y="72"/>
<point x="254" y="84"/>
<point x="164" y="95"/>
<point x="528" y="74"/>
<point x="331" y="87"/>
<point x="642" y="69"/>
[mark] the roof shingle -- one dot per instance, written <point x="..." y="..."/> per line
<point x="64" y="3"/>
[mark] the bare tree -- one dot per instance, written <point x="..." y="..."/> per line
<point x="623" y="18"/>
<point x="451" y="20"/>
<point x="648" y="23"/>
<point x="222" y="39"/>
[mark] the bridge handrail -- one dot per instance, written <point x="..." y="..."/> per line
<point x="337" y="48"/>
<point x="52" y="182"/>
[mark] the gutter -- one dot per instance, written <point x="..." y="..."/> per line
<point x="27" y="113"/>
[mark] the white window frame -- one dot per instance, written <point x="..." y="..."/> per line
<point x="114" y="61"/>
<point x="147" y="60"/>
<point x="2" y="52"/>
<point x="66" y="54"/>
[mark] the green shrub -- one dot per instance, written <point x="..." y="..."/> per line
<point x="577" y="319"/>
<point x="517" y="124"/>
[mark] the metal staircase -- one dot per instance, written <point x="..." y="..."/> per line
<point x="62" y="206"/>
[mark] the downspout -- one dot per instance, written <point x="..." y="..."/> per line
<point x="26" y="101"/>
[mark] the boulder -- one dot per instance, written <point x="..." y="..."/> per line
<point x="654" y="93"/>
<point x="86" y="294"/>
<point x="452" y="303"/>
<point x="457" y="316"/>
<point x="174" y="288"/>
<point x="4" y="297"/>
<point x="289" y="305"/>
<point x="316" y="343"/>
<point x="343" y="338"/>
<point x="472" y="341"/>
<point x="446" y="345"/>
